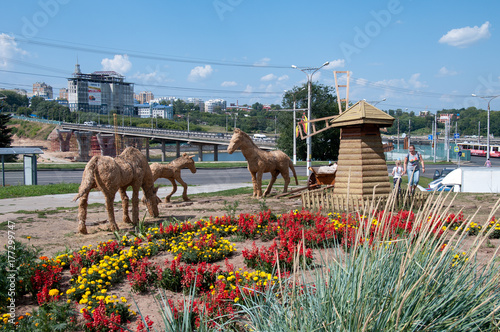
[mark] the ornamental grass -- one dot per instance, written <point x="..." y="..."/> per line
<point x="425" y="280"/>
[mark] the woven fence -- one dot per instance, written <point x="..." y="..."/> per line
<point x="325" y="200"/>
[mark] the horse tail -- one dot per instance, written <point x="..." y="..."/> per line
<point x="88" y="178"/>
<point x="290" y="164"/>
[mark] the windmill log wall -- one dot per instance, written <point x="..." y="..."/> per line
<point x="361" y="165"/>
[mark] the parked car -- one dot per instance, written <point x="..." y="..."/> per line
<point x="440" y="186"/>
<point x="441" y="174"/>
<point x="435" y="183"/>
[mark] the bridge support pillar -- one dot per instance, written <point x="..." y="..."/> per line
<point x="177" y="149"/>
<point x="200" y="152"/>
<point x="147" y="149"/>
<point x="122" y="143"/>
<point x="107" y="144"/>
<point x="64" y="141"/>
<point x="216" y="152"/>
<point x="83" y="140"/>
<point x="163" y="156"/>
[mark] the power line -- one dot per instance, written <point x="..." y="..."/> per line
<point x="162" y="86"/>
<point x="142" y="55"/>
<point x="377" y="85"/>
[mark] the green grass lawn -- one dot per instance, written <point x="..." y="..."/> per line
<point x="38" y="190"/>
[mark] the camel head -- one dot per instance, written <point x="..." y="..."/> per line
<point x="235" y="142"/>
<point x="151" y="200"/>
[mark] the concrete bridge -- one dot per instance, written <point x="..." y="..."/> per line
<point x="164" y="136"/>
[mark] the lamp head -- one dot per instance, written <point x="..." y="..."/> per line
<point x="474" y="95"/>
<point x="294" y="66"/>
<point x="326" y="63"/>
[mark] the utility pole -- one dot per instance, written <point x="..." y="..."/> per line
<point x="398" y="135"/>
<point x="447" y="132"/>
<point x="478" y="132"/>
<point x="435" y="138"/>
<point x="409" y="130"/>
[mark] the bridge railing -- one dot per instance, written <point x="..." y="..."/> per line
<point x="163" y="132"/>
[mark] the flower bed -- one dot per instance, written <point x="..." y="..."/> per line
<point x="195" y="246"/>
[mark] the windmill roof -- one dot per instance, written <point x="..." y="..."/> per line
<point x="362" y="113"/>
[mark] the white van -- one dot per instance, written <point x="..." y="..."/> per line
<point x="90" y="123"/>
<point x="259" y="137"/>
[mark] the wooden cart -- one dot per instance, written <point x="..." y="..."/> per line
<point x="322" y="175"/>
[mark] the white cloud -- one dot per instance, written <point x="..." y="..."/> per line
<point x="152" y="76"/>
<point x="120" y="63"/>
<point x="339" y="63"/>
<point x="228" y="83"/>
<point x="444" y="72"/>
<point x="283" y="78"/>
<point x="248" y="89"/>
<point x="412" y="83"/>
<point x="360" y="81"/>
<point x="8" y="49"/>
<point x="464" y="37"/>
<point x="268" y="77"/>
<point x="200" y="73"/>
<point x="262" y="62"/>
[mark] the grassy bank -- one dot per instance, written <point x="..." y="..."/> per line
<point x="39" y="190"/>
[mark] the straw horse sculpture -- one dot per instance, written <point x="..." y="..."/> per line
<point x="260" y="161"/>
<point x="109" y="175"/>
<point x="172" y="172"/>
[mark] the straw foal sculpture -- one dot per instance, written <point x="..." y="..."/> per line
<point x="172" y="172"/>
<point x="109" y="175"/>
<point x="260" y="161"/>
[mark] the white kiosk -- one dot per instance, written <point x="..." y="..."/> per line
<point x="29" y="163"/>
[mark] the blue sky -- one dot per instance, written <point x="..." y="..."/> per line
<point x="417" y="54"/>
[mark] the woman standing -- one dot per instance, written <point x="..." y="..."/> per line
<point x="412" y="167"/>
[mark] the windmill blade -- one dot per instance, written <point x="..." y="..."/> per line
<point x="312" y="123"/>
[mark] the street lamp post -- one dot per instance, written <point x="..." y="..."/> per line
<point x="310" y="71"/>
<point x="295" y="128"/>
<point x="489" y="99"/>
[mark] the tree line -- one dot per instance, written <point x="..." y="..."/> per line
<point x="325" y="145"/>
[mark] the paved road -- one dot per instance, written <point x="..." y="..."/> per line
<point x="201" y="177"/>
<point x="210" y="176"/>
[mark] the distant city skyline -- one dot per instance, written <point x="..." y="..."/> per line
<point x="423" y="55"/>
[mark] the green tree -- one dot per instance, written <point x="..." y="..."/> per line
<point x="257" y="106"/>
<point x="325" y="145"/>
<point x="13" y="101"/>
<point x="5" y="133"/>
<point x="35" y="101"/>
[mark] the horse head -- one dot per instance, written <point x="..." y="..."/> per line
<point x="235" y="142"/>
<point x="190" y="164"/>
<point x="151" y="200"/>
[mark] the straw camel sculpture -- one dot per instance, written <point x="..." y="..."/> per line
<point x="172" y="172"/>
<point x="260" y="162"/>
<point x="110" y="175"/>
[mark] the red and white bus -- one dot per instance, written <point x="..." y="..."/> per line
<point x="480" y="149"/>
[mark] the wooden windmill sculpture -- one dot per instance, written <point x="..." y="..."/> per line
<point x="361" y="170"/>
